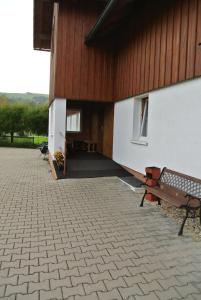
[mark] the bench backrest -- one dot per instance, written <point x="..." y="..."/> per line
<point x="180" y="182"/>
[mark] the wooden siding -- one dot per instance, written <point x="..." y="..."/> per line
<point x="82" y="73"/>
<point x="159" y="47"/>
<point x="53" y="52"/>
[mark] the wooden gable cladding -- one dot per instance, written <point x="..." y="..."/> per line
<point x="158" y="47"/>
<point x="82" y="73"/>
<point x="43" y="12"/>
<point x="53" y="52"/>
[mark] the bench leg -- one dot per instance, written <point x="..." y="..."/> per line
<point x="183" y="223"/>
<point x="159" y="201"/>
<point x="142" y="202"/>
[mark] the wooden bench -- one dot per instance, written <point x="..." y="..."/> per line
<point x="180" y="190"/>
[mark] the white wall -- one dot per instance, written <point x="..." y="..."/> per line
<point x="57" y="126"/>
<point x="174" y="130"/>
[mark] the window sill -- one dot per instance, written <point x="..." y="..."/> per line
<point x="138" y="142"/>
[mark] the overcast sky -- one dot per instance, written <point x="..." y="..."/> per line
<point x="21" y="68"/>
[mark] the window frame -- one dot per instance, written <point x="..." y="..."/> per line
<point x="139" y="120"/>
<point x="73" y="131"/>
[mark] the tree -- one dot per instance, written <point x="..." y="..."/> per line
<point x="3" y="101"/>
<point x="23" y="118"/>
<point x="37" y="119"/>
<point x="12" y="119"/>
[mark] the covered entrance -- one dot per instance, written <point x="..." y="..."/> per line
<point x="83" y="132"/>
<point x="89" y="127"/>
<point x="89" y="140"/>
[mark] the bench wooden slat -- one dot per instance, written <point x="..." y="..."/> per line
<point x="178" y="201"/>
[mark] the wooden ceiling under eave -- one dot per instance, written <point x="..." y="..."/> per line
<point x="43" y="14"/>
<point x="113" y="17"/>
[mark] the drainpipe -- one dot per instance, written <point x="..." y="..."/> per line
<point x="91" y="35"/>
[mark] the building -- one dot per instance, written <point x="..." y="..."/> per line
<point x="126" y="74"/>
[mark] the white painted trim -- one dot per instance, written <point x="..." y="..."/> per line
<point x="139" y="142"/>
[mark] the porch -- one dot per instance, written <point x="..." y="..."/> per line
<point x="83" y="132"/>
<point x="83" y="164"/>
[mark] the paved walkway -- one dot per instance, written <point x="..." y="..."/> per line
<point x="86" y="239"/>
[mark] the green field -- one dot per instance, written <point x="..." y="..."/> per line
<point x="27" y="142"/>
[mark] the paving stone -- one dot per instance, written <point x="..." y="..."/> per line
<point x="29" y="262"/>
<point x="151" y="296"/>
<point x="76" y="263"/>
<point x="4" y="273"/>
<point x="73" y="291"/>
<point x="11" y="264"/>
<point x="88" y="297"/>
<point x="67" y="273"/>
<point x="37" y="286"/>
<point x="60" y="266"/>
<point x="12" y="297"/>
<point x="37" y="269"/>
<point x="149" y="287"/>
<point x="5" y="257"/>
<point x="171" y="272"/>
<point x="55" y="283"/>
<point x="42" y="254"/>
<point x="112" y="295"/>
<point x="49" y="275"/>
<point x="134" y="279"/>
<point x="20" y="257"/>
<point x="28" y="278"/>
<point x="105" y="267"/>
<point x="171" y="281"/>
<point x="8" y="280"/>
<point x="94" y="261"/>
<point x="66" y="258"/>
<point x="153" y="276"/>
<point x="94" y="287"/>
<point x="112" y="258"/>
<point x="2" y="290"/>
<point x="138" y="270"/>
<point x="16" y="289"/>
<point x="79" y="256"/>
<point x="53" y="294"/>
<point x="33" y="296"/>
<point x="171" y="293"/>
<point x="124" y="263"/>
<point x="101" y="276"/>
<point x="48" y="260"/>
<point x="88" y="270"/>
<point x="118" y="273"/>
<point x="81" y="279"/>
<point x="187" y="290"/>
<point x="130" y="291"/>
<point x="115" y="283"/>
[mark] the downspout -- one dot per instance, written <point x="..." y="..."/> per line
<point x="91" y="35"/>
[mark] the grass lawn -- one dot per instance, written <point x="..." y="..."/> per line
<point x="40" y="139"/>
<point x="25" y="142"/>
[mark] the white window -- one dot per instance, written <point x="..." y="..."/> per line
<point x="140" y="122"/>
<point x="73" y="121"/>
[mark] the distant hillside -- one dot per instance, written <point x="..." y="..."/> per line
<point x="26" y="97"/>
